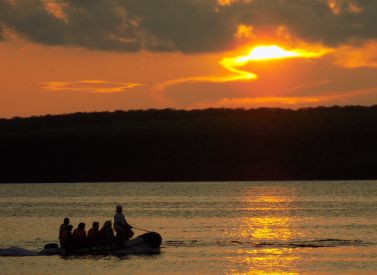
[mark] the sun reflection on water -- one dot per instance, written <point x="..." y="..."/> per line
<point x="267" y="228"/>
<point x="263" y="231"/>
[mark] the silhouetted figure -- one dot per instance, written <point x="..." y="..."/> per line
<point x="79" y="236"/>
<point x="94" y="234"/>
<point x="122" y="228"/>
<point x="106" y="234"/>
<point x="62" y="229"/>
<point x="66" y="240"/>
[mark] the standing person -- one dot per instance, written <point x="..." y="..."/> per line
<point x="122" y="228"/>
<point x="62" y="229"/>
<point x="67" y="239"/>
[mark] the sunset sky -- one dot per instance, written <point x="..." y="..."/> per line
<point x="63" y="56"/>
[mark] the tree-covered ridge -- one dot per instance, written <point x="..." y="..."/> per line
<point x="212" y="144"/>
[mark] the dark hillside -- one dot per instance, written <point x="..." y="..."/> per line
<point x="213" y="144"/>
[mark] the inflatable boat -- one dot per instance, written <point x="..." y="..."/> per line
<point x="148" y="243"/>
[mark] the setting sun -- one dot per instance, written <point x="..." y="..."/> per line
<point x="264" y="53"/>
<point x="275" y="52"/>
<point x="235" y="65"/>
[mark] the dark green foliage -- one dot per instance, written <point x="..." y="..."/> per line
<point x="213" y="144"/>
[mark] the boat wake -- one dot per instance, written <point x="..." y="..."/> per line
<point x="17" y="251"/>
<point x="283" y="244"/>
<point x="315" y="243"/>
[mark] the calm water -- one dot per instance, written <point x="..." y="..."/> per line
<point x="208" y="228"/>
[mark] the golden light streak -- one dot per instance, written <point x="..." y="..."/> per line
<point x="269" y="228"/>
<point x="90" y="86"/>
<point x="332" y="97"/>
<point x="272" y="230"/>
<point x="234" y="64"/>
<point x="263" y="53"/>
<point x="211" y="79"/>
<point x="249" y="102"/>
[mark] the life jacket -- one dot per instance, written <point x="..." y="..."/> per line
<point x="80" y="235"/>
<point x="93" y="234"/>
<point x="106" y="233"/>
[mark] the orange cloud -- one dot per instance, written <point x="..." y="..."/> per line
<point x="355" y="57"/>
<point x="230" y="2"/>
<point x="349" y="95"/>
<point x="56" y="9"/>
<point x="339" y="6"/>
<point x="225" y="2"/>
<point x="90" y="86"/>
<point x="193" y="79"/>
<point x="244" y="31"/>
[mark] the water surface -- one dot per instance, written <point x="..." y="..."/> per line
<point x="207" y="227"/>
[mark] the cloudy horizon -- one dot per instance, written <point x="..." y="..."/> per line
<point x="61" y="56"/>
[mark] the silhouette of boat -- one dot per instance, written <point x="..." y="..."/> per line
<point x="148" y="243"/>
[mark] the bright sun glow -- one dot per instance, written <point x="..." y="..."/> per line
<point x="263" y="53"/>
<point x="269" y="52"/>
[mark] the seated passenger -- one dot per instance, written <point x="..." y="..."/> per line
<point x="62" y="229"/>
<point x="94" y="234"/>
<point x="79" y="235"/>
<point x="107" y="234"/>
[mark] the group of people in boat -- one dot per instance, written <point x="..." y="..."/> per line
<point x="96" y="236"/>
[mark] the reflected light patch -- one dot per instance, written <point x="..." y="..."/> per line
<point x="267" y="228"/>
<point x="268" y="224"/>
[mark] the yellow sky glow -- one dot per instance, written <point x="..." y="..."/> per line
<point x="234" y="64"/>
<point x="264" y="53"/>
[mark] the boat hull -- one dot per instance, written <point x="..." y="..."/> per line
<point x="148" y="243"/>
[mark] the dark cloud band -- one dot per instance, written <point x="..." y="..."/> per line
<point x="182" y="25"/>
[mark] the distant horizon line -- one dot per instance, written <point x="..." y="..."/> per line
<point x="192" y="110"/>
<point x="186" y="181"/>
